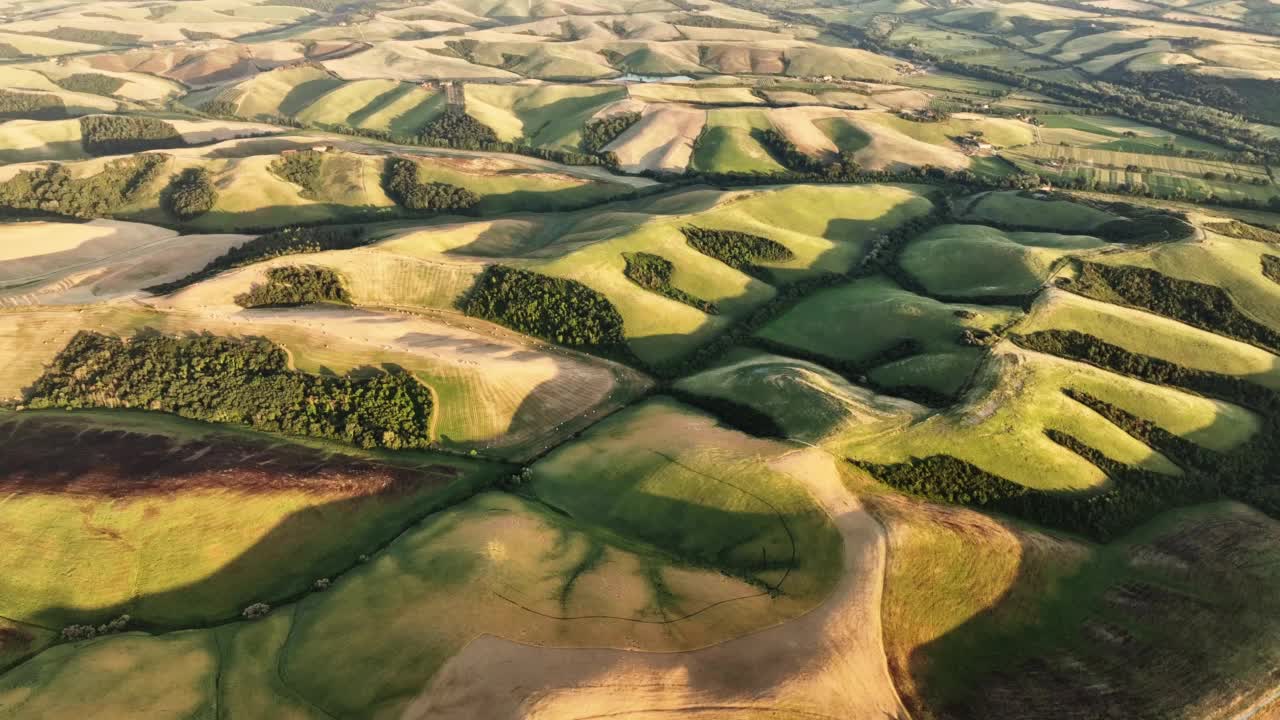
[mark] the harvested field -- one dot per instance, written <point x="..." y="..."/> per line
<point x="826" y="663"/>
<point x="662" y="140"/>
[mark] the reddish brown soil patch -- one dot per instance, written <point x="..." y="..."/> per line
<point x="14" y="640"/>
<point x="53" y="455"/>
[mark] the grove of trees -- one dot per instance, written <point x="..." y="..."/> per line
<point x="296" y="285"/>
<point x="120" y="134"/>
<point x="403" y="185"/>
<point x="738" y="250"/>
<point x="190" y="194"/>
<point x="52" y="190"/>
<point x="556" y="309"/>
<point x="653" y="272"/>
<point x="245" y="381"/>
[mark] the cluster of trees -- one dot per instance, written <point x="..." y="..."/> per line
<point x="93" y="83"/>
<point x="1271" y="267"/>
<point x="32" y="106"/>
<point x="653" y="272"/>
<point x="52" y="190"/>
<point x="1245" y="231"/>
<point x="245" y="381"/>
<point x="598" y="133"/>
<point x="296" y="285"/>
<point x="286" y="241"/>
<point x="300" y="168"/>
<point x="190" y="194"/>
<point x="119" y="134"/>
<point x="738" y="250"/>
<point x="455" y="128"/>
<point x="744" y="331"/>
<point x="402" y="185"/>
<point x="88" y="35"/>
<point x="1207" y="307"/>
<point x="556" y="309"/>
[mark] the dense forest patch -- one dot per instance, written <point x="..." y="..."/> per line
<point x="190" y="194"/>
<point x="120" y="135"/>
<point x="653" y="272"/>
<point x="562" y="311"/>
<point x="92" y="83"/>
<point x="287" y="241"/>
<point x="598" y="133"/>
<point x="32" y="106"/>
<point x="54" y="191"/>
<point x="296" y="285"/>
<point x="88" y="35"/>
<point x="1204" y="306"/>
<point x="403" y="186"/>
<point x="738" y="250"/>
<point x="255" y="387"/>
<point x="455" y="128"/>
<point x="301" y="168"/>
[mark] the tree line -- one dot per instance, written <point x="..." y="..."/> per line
<point x="599" y="132"/>
<point x="245" y="381"/>
<point x="1207" y="307"/>
<point x="294" y="285"/>
<point x="286" y="241"/>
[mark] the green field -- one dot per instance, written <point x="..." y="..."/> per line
<point x="979" y="261"/>
<point x="727" y="143"/>
<point x="858" y="321"/>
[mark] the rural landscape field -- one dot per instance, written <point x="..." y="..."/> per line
<point x="640" y="359"/>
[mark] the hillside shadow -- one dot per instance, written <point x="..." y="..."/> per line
<point x="18" y="271"/>
<point x="373" y="502"/>
<point x="1149" y="625"/>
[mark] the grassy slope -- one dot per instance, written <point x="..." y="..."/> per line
<point x="976" y="260"/>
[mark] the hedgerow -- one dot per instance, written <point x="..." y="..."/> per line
<point x="245" y="381"/>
